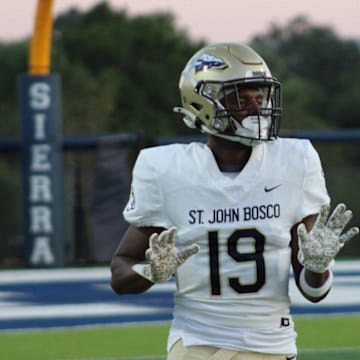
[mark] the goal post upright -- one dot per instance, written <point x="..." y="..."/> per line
<point x="41" y="149"/>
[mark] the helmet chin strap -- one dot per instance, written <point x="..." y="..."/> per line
<point x="239" y="139"/>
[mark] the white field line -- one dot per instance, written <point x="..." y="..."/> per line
<point x="75" y="310"/>
<point x="342" y="350"/>
<point x="23" y="276"/>
<point x="302" y="351"/>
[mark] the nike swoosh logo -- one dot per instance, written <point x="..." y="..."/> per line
<point x="291" y="358"/>
<point x="271" y="188"/>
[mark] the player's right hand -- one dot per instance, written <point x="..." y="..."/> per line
<point x="163" y="257"/>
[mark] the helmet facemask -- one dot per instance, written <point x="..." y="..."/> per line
<point x="235" y="119"/>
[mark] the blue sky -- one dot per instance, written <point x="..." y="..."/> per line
<point x="225" y="20"/>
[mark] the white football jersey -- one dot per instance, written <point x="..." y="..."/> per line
<point x="234" y="292"/>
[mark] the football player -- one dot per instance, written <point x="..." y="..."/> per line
<point x="229" y="218"/>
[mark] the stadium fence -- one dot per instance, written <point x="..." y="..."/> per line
<point x="97" y="175"/>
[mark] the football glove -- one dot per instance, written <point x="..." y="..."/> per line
<point x="163" y="257"/>
<point x="318" y="248"/>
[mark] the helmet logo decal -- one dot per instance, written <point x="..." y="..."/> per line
<point x="207" y="61"/>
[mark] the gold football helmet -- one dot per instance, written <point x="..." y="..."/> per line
<point x="217" y="71"/>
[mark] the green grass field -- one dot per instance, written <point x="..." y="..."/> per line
<point x="319" y="338"/>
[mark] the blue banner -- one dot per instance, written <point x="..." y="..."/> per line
<point x="42" y="167"/>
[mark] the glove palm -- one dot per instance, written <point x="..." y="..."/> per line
<point x="318" y="248"/>
<point x="163" y="257"/>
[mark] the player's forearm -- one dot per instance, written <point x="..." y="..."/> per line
<point x="126" y="281"/>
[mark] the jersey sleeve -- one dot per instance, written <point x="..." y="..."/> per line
<point x="315" y="193"/>
<point x="145" y="204"/>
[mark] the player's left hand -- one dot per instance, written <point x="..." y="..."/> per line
<point x="318" y="248"/>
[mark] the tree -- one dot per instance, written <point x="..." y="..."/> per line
<point x="120" y="73"/>
<point x="124" y="69"/>
<point x="328" y="65"/>
<point x="13" y="61"/>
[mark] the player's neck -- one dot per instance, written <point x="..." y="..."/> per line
<point x="229" y="154"/>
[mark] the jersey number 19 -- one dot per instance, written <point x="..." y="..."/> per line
<point x="232" y="250"/>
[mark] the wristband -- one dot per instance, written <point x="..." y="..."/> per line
<point x="144" y="270"/>
<point x="312" y="291"/>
